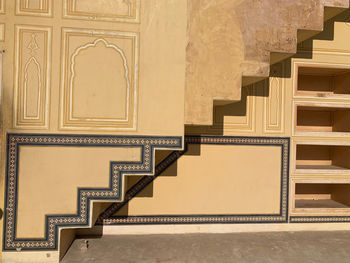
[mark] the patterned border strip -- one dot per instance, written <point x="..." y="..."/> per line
<point x="108" y="218"/>
<point x="53" y="223"/>
<point x="319" y="219"/>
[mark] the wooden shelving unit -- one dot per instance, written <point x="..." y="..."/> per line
<point x="322" y="158"/>
<point x="320" y="118"/>
<point x="321" y="145"/>
<point x="321" y="197"/>
<point x="323" y="82"/>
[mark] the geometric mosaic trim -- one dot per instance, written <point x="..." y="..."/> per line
<point x="108" y="218"/>
<point x="319" y="219"/>
<point x="147" y="144"/>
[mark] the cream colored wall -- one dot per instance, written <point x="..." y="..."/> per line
<point x="49" y="177"/>
<point x="221" y="179"/>
<point x="82" y="67"/>
<point x="216" y="180"/>
<point x="53" y="69"/>
<point x="267" y="109"/>
<point x="48" y="83"/>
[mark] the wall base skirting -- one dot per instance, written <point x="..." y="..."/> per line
<point x="31" y="257"/>
<point x="210" y="228"/>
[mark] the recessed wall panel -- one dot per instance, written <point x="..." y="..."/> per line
<point x="32" y="78"/>
<point x="99" y="80"/>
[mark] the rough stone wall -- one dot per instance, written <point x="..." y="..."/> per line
<point x="229" y="39"/>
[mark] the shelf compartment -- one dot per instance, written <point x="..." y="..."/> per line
<point x="323" y="82"/>
<point x="322" y="158"/>
<point x="322" y="196"/>
<point x="322" y="119"/>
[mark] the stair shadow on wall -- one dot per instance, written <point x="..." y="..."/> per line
<point x="171" y="170"/>
<point x="305" y="48"/>
<point x="236" y="114"/>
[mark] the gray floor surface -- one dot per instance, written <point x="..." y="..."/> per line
<point x="298" y="247"/>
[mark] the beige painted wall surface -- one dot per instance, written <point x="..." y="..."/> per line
<point x="50" y="176"/>
<point x="116" y="67"/>
<point x="81" y="69"/>
<point x="218" y="180"/>
<point x="260" y="37"/>
<point x="46" y="65"/>
<point x="266" y="109"/>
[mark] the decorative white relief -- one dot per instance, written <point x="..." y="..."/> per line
<point x="2" y="32"/>
<point x="32" y="61"/>
<point x="117" y="11"/>
<point x="34" y="7"/>
<point x="123" y="71"/>
<point x="238" y="124"/>
<point x="73" y="75"/>
<point x="274" y="103"/>
<point x="32" y="82"/>
<point x="40" y="4"/>
<point x="2" y="6"/>
<point x="122" y="5"/>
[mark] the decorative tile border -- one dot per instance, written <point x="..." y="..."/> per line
<point x="53" y="223"/>
<point x="319" y="219"/>
<point x="108" y="218"/>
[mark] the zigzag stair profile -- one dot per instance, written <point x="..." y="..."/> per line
<point x="266" y="32"/>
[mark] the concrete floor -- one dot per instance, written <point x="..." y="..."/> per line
<point x="298" y="247"/>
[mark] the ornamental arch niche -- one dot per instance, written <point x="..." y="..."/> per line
<point x="93" y="84"/>
<point x="99" y="81"/>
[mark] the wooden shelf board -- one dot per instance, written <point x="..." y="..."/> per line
<point x="321" y="203"/>
<point x="320" y="167"/>
<point x="321" y="94"/>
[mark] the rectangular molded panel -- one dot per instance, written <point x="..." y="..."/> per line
<point x="32" y="82"/>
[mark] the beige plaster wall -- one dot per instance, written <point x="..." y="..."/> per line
<point x="241" y="38"/>
<point x="48" y="84"/>
<point x="79" y="67"/>
<point x="216" y="179"/>
<point x="266" y="109"/>
<point x="77" y="71"/>
<point x="49" y="177"/>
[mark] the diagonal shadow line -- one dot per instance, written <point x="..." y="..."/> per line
<point x="141" y="185"/>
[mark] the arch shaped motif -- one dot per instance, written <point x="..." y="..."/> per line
<point x="31" y="61"/>
<point x="73" y="75"/>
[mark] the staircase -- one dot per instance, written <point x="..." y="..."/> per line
<point x="246" y="38"/>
